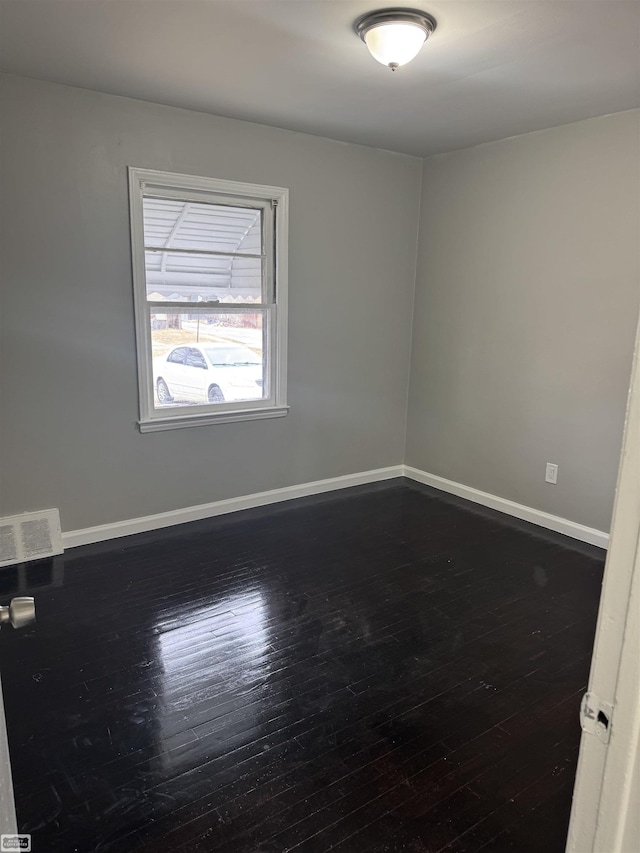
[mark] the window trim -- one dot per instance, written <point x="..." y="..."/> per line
<point x="153" y="183"/>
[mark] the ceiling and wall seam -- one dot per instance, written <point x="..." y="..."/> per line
<point x="529" y="133"/>
<point x="276" y="127"/>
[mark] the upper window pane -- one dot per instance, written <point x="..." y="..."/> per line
<point x="173" y="224"/>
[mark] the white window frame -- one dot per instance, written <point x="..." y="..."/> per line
<point x="275" y="202"/>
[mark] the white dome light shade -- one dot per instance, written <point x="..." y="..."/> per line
<point x="395" y="44"/>
<point x="395" y="36"/>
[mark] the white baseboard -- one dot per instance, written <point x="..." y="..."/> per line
<point x="526" y="513"/>
<point x="103" y="532"/>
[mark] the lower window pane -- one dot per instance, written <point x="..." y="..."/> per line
<point x="201" y="359"/>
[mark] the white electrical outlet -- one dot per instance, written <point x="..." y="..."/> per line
<point x="551" y="475"/>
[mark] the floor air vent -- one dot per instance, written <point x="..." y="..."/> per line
<point x="30" y="536"/>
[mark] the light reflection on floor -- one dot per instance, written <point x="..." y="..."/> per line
<point x="210" y="662"/>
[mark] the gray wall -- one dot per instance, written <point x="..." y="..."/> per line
<point x="68" y="376"/>
<point x="525" y="307"/>
<point x="525" y="313"/>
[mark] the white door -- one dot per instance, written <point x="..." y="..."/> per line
<point x="8" y="823"/>
<point x="195" y="376"/>
<point x="20" y="612"/>
<point x="604" y="815"/>
<point x="172" y="371"/>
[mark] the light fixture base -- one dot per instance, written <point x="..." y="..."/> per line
<point x="394" y="16"/>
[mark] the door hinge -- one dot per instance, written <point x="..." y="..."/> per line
<point x="596" y="716"/>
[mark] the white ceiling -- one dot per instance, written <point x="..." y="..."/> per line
<point x="491" y="70"/>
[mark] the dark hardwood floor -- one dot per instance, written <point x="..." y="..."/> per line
<point x="382" y="669"/>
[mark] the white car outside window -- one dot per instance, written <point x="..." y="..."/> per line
<point x="212" y="373"/>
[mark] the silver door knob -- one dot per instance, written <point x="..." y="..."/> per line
<point x="21" y="612"/>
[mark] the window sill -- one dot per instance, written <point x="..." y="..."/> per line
<point x="184" y="421"/>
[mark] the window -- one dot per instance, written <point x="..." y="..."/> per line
<point x="210" y="287"/>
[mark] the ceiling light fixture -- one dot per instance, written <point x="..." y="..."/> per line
<point x="395" y="36"/>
